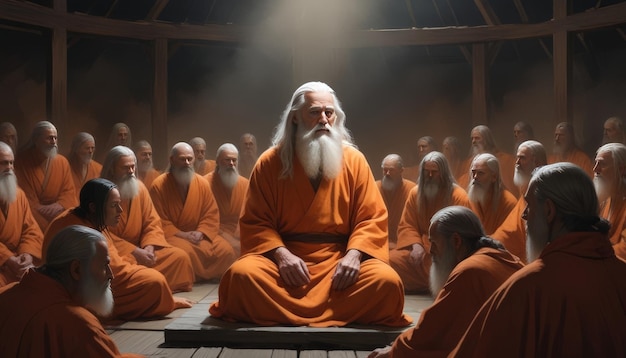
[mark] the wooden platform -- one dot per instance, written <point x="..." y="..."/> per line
<point x="194" y="333"/>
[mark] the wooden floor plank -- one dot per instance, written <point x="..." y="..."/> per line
<point x="207" y="352"/>
<point x="313" y="354"/>
<point x="284" y="353"/>
<point x="244" y="353"/>
<point x="341" y="354"/>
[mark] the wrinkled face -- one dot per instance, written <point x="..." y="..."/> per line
<point x="481" y="174"/>
<point x="9" y="136"/>
<point x="6" y="162"/>
<point x="47" y="140"/>
<point x="317" y="111"/>
<point x="391" y="170"/>
<point x="198" y="151"/>
<point x="113" y="208"/>
<point x="86" y="149"/>
<point x="124" y="167"/>
<point x="537" y="226"/>
<point x="438" y="244"/>
<point x="184" y="158"/>
<point x="227" y="159"/>
<point x="525" y="160"/>
<point x="122" y="136"/>
<point x="477" y="138"/>
<point x="604" y="167"/>
<point x="431" y="172"/>
<point x="144" y="155"/>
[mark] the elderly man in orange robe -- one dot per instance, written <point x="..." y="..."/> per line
<point x="52" y="311"/>
<point x="435" y="190"/>
<point x="512" y="232"/>
<point x="566" y="150"/>
<point x="8" y="135"/>
<point x="201" y="165"/>
<point x="314" y="229"/>
<point x="145" y="168"/>
<point x="84" y="168"/>
<point x="610" y="184"/>
<point x="569" y="301"/>
<point x="490" y="200"/>
<point x="190" y="216"/>
<point x="20" y="236"/>
<point x="425" y="145"/>
<point x="395" y="190"/>
<point x="140" y="226"/>
<point x="229" y="189"/>
<point x="138" y="291"/>
<point x="45" y="176"/>
<point x="467" y="268"/>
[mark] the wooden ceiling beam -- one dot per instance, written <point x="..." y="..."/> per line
<point x="37" y="15"/>
<point x="156" y="9"/>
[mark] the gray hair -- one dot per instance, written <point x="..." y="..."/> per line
<point x="430" y="140"/>
<point x="226" y="146"/>
<point x="111" y="160"/>
<point x="197" y="141"/>
<point x="618" y="153"/>
<point x="488" y="140"/>
<point x="77" y="141"/>
<point x="5" y="148"/>
<point x="141" y="144"/>
<point x="465" y="223"/>
<point x="40" y="127"/>
<point x="447" y="179"/>
<point x="396" y="157"/>
<point x="494" y="166"/>
<point x="285" y="132"/>
<point x="525" y="127"/>
<point x="75" y="242"/>
<point x="617" y="121"/>
<point x="538" y="151"/>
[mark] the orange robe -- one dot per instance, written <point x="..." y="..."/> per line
<point x="394" y="201"/>
<point x="29" y="169"/>
<point x="413" y="229"/>
<point x="230" y="202"/>
<point x="491" y="217"/>
<point x="616" y="215"/>
<point x="575" y="156"/>
<point x="208" y="167"/>
<point x="149" y="177"/>
<point x="19" y="234"/>
<point x="39" y="319"/>
<point x="570" y="302"/>
<point x="469" y="285"/>
<point x="318" y="226"/>
<point x="512" y="232"/>
<point x="199" y="212"/>
<point x="140" y="226"/>
<point x="93" y="171"/>
<point x="138" y="291"/>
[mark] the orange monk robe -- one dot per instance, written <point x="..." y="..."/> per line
<point x="318" y="226"/>
<point x="411" y="173"/>
<point x="149" y="177"/>
<point x="39" y="319"/>
<point x="512" y="231"/>
<point x="615" y="213"/>
<point x="575" y="156"/>
<point x="93" y="171"/>
<point x="212" y="256"/>
<point x="140" y="226"/>
<point x="59" y="186"/>
<point x="138" y="291"/>
<point x="413" y="229"/>
<point x="19" y="234"/>
<point x="570" y="302"/>
<point x="208" y="167"/>
<point x="394" y="201"/>
<point x="230" y="202"/>
<point x="469" y="285"/>
<point x="491" y="217"/>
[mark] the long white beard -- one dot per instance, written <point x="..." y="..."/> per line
<point x="440" y="271"/>
<point x="198" y="165"/>
<point x="183" y="175"/>
<point x="128" y="187"/>
<point x="536" y="238"/>
<point x="50" y="152"/>
<point x="319" y="154"/>
<point x="558" y="149"/>
<point x="229" y="177"/>
<point x="86" y="158"/>
<point x="477" y="149"/>
<point x="520" y="178"/>
<point x="431" y="189"/>
<point x="389" y="184"/>
<point x="603" y="190"/>
<point x="98" y="298"/>
<point x="8" y="187"/>
<point x="144" y="166"/>
<point x="477" y="193"/>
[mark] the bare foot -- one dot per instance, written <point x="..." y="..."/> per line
<point x="182" y="302"/>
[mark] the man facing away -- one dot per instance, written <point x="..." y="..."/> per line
<point x="229" y="189"/>
<point x="435" y="190"/>
<point x="80" y="157"/>
<point x="314" y="229"/>
<point x="143" y="241"/>
<point x="45" y="176"/>
<point x="201" y="165"/>
<point x="395" y="190"/>
<point x="52" y="311"/>
<point x="467" y="268"/>
<point x="190" y="216"/>
<point x="490" y="200"/>
<point x="20" y="236"/>
<point x="569" y="301"/>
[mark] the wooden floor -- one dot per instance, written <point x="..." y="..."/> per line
<point x="193" y="333"/>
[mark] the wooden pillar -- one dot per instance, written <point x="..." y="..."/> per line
<point x="57" y="83"/>
<point x="480" y="113"/>
<point x="562" y="66"/>
<point x="159" y="104"/>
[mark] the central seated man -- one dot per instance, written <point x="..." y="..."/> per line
<point x="314" y="246"/>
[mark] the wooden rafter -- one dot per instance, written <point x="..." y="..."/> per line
<point x="464" y="50"/>
<point x="522" y="14"/>
<point x="156" y="9"/>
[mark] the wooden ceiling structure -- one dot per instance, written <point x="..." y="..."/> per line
<point x="479" y="44"/>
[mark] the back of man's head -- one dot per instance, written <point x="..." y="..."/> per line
<point x="75" y="242"/>
<point x="464" y="222"/>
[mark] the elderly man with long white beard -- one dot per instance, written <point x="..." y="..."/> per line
<point x="190" y="216"/>
<point x="314" y="229"/>
<point x="20" y="236"/>
<point x="80" y="157"/>
<point x="229" y="189"/>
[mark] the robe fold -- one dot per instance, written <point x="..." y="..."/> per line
<point x="413" y="229"/>
<point x="394" y="202"/>
<point x="512" y="231"/>
<point x="575" y="156"/>
<point x="615" y="212"/>
<point x="93" y="171"/>
<point x="59" y="188"/>
<point x="570" y="302"/>
<point x="207" y="168"/>
<point x="149" y="177"/>
<point x="138" y="291"/>
<point x="140" y="226"/>
<point x="39" y="319"/>
<point x="19" y="234"/>
<point x="318" y="226"/>
<point x="199" y="212"/>
<point x="491" y="217"/>
<point x="469" y="285"/>
<point x="229" y="201"/>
